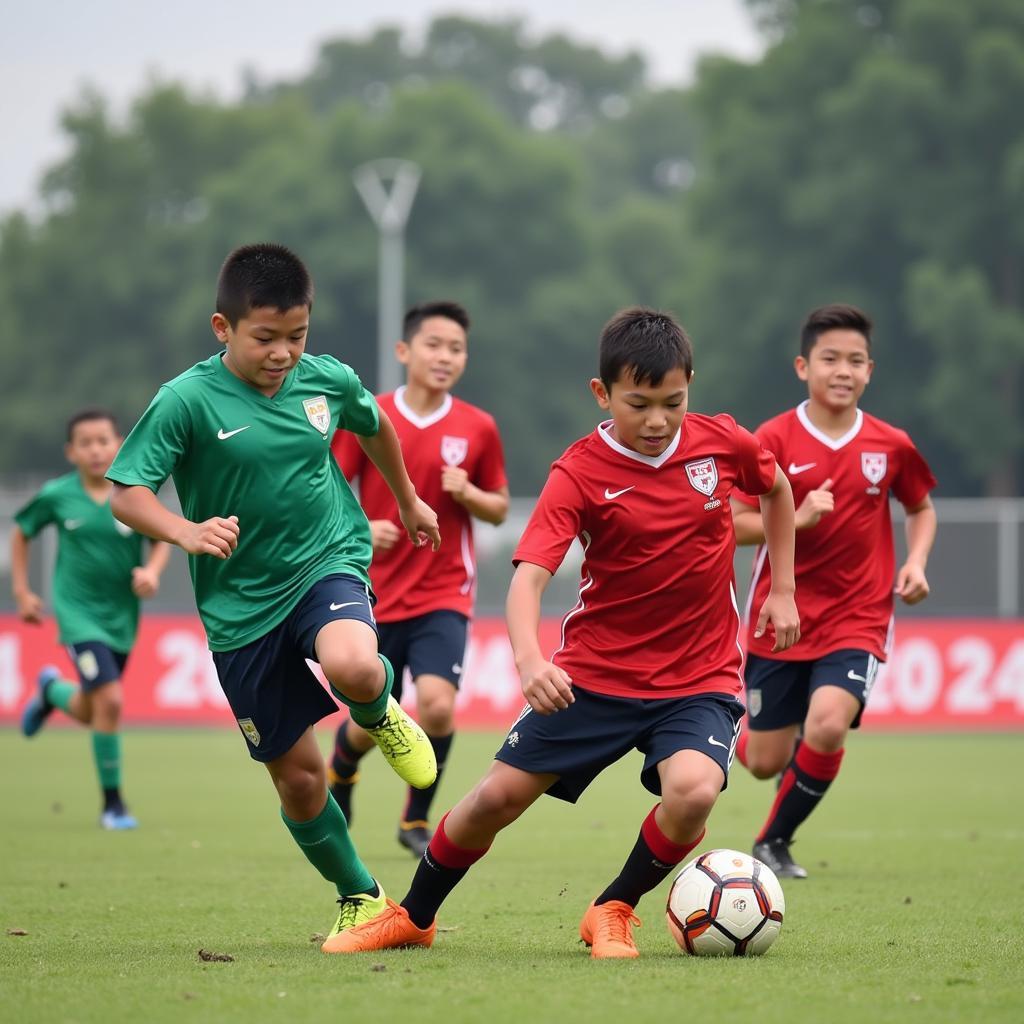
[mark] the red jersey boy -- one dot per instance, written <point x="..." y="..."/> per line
<point x="425" y="600"/>
<point x="843" y="466"/>
<point x="649" y="658"/>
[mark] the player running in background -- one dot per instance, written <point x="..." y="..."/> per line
<point x="843" y="466"/>
<point x="97" y="583"/>
<point x="649" y="658"/>
<point x="453" y="453"/>
<point x="278" y="546"/>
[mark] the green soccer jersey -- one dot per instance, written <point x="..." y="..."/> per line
<point x="233" y="451"/>
<point x="92" y="583"/>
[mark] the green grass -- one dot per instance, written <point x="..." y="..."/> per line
<point x="914" y="911"/>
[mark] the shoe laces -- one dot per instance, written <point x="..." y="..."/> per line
<point x="613" y="923"/>
<point x="390" y="736"/>
<point x="348" y="915"/>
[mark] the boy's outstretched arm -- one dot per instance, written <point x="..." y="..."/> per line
<point x="546" y="687"/>
<point x="139" y="508"/>
<point x="384" y="450"/>
<point x="779" y="608"/>
<point x="911" y="582"/>
<point x="30" y="604"/>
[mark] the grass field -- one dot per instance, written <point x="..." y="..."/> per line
<point x="914" y="912"/>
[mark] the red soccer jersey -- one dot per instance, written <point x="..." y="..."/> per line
<point x="846" y="565"/>
<point x="411" y="581"/>
<point x="657" y="614"/>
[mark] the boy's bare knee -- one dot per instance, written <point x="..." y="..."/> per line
<point x="359" y="678"/>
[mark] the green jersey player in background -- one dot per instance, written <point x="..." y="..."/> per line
<point x="97" y="583"/>
<point x="278" y="546"/>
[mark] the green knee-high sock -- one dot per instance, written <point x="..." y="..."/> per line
<point x="325" y="842"/>
<point x="59" y="693"/>
<point x="106" y="752"/>
<point x="372" y="712"/>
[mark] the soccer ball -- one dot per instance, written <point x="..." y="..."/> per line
<point x="725" y="903"/>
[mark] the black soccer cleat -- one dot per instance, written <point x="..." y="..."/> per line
<point x="415" y="837"/>
<point x="775" y="853"/>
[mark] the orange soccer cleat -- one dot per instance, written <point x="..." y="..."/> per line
<point x="390" y="929"/>
<point x="605" y="928"/>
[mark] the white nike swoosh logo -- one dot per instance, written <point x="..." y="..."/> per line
<point x="73" y="524"/>
<point x="724" y="746"/>
<point x="225" y="434"/>
<point x="344" y="604"/>
<point x="794" y="469"/>
<point x="609" y="494"/>
<point x="853" y="675"/>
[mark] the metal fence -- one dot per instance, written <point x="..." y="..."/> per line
<point x="975" y="570"/>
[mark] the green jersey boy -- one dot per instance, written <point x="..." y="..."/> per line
<point x="278" y="546"/>
<point x="97" y="583"/>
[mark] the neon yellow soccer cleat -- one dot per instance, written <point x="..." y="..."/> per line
<point x="405" y="747"/>
<point x="354" y="910"/>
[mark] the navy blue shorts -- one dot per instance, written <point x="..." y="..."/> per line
<point x="433" y="644"/>
<point x="779" y="692"/>
<point x="274" y="695"/>
<point x="97" y="664"/>
<point x="595" y="731"/>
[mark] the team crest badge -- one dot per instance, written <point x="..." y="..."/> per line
<point x="248" y="727"/>
<point x="873" y="465"/>
<point x="454" y="450"/>
<point x="88" y="665"/>
<point x="318" y="413"/>
<point x="703" y="476"/>
<point x="754" y="702"/>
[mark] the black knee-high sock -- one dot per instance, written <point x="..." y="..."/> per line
<point x="650" y="861"/>
<point x="803" y="785"/>
<point x="344" y="771"/>
<point x="443" y="866"/>
<point x="417" y="807"/>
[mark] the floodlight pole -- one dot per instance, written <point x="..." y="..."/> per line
<point x="390" y="212"/>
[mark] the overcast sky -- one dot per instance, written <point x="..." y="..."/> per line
<point x="50" y="48"/>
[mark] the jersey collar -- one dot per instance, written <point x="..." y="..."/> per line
<point x="421" y="421"/>
<point x="835" y="443"/>
<point x="657" y="461"/>
<point x="245" y="388"/>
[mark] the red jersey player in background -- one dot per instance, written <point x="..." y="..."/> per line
<point x="425" y="600"/>
<point x="843" y="465"/>
<point x="649" y="658"/>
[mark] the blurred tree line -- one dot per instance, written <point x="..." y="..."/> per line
<point x="875" y="154"/>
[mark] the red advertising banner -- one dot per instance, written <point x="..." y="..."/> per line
<point x="949" y="674"/>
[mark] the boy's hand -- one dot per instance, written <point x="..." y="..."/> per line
<point x="384" y="535"/>
<point x="817" y="504"/>
<point x="216" y="536"/>
<point x="30" y="606"/>
<point x="779" y="609"/>
<point x="911" y="584"/>
<point x="145" y="582"/>
<point x="546" y="687"/>
<point x="420" y="522"/>
<point x="454" y="481"/>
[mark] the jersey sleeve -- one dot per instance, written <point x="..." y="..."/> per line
<point x="155" y="445"/>
<point x="359" y="412"/>
<point x="36" y="513"/>
<point x="490" y="471"/>
<point x="554" y="523"/>
<point x="914" y="480"/>
<point x="348" y="454"/>
<point x="755" y="470"/>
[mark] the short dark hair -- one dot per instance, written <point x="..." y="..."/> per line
<point x="262" y="275"/>
<point x="89" y="416"/>
<point x="647" y="343"/>
<point x="832" y="317"/>
<point x="415" y="316"/>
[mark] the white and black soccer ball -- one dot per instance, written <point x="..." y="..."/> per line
<point x="725" y="903"/>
